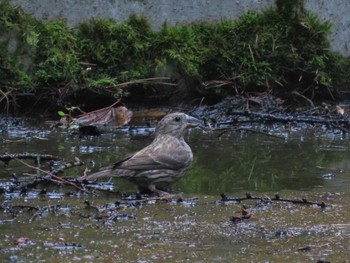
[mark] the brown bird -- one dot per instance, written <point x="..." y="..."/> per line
<point x="162" y="162"/>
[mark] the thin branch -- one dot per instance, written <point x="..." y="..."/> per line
<point x="67" y="165"/>
<point x="99" y="110"/>
<point x="5" y="96"/>
<point x="262" y="116"/>
<point x="146" y="81"/>
<point x="59" y="179"/>
<point x="277" y="198"/>
<point x="304" y="97"/>
<point x="7" y="157"/>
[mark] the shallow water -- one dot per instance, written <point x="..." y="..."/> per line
<point x="293" y="161"/>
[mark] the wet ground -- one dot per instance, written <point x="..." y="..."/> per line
<point x="51" y="223"/>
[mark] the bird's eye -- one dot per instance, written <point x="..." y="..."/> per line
<point x="177" y="119"/>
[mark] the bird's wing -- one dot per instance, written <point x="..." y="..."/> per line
<point x="149" y="161"/>
<point x="167" y="155"/>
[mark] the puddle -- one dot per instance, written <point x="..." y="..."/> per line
<point x="48" y="222"/>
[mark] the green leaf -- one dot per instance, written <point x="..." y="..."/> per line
<point x="61" y="113"/>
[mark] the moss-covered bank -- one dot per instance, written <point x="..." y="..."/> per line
<point x="280" y="50"/>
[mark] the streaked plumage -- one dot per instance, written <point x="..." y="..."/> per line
<point x="162" y="162"/>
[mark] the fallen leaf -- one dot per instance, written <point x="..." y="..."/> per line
<point x="21" y="241"/>
<point x="120" y="115"/>
<point x="340" y="110"/>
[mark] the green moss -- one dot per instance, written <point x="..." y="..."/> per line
<point x="280" y="50"/>
<point x="121" y="51"/>
<point x="267" y="50"/>
<point x="178" y="48"/>
<point x="17" y="47"/>
<point x="57" y="57"/>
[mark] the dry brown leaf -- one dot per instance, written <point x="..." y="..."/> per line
<point x="120" y="115"/>
<point x="340" y="110"/>
<point x="21" y="241"/>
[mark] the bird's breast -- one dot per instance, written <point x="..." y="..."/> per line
<point x="184" y="153"/>
<point x="175" y="149"/>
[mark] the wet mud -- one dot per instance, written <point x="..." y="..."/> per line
<point x="296" y="209"/>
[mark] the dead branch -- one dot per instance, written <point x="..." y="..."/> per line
<point x="7" y="157"/>
<point x="225" y="130"/>
<point x="64" y="166"/>
<point x="57" y="178"/>
<point x="5" y="95"/>
<point x="158" y="80"/>
<point x="285" y="118"/>
<point x="99" y="110"/>
<point x="304" y="97"/>
<point x="303" y="201"/>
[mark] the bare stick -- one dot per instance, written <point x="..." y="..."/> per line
<point x="304" y="97"/>
<point x="59" y="179"/>
<point x="277" y="198"/>
<point x="7" y="157"/>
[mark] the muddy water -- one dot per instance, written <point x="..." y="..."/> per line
<point x="56" y="225"/>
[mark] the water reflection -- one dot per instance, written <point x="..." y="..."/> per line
<point x="257" y="162"/>
<point x="228" y="162"/>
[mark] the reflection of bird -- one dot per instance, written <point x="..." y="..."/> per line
<point x="162" y="162"/>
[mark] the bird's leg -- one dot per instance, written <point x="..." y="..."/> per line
<point x="164" y="194"/>
<point x="153" y="190"/>
<point x="146" y="190"/>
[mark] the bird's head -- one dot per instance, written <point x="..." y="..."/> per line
<point x="176" y="123"/>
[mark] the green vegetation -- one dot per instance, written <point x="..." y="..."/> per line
<point x="17" y="47"/>
<point x="279" y="50"/>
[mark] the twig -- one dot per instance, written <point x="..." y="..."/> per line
<point x="5" y="96"/>
<point x="64" y="166"/>
<point x="7" y="157"/>
<point x="304" y="97"/>
<point x="340" y="128"/>
<point x="99" y="110"/>
<point x="277" y="198"/>
<point x="145" y="81"/>
<point x="252" y="169"/>
<point x="259" y="116"/>
<point x="224" y="130"/>
<point x="59" y="179"/>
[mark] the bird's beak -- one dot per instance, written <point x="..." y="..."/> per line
<point x="193" y="122"/>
